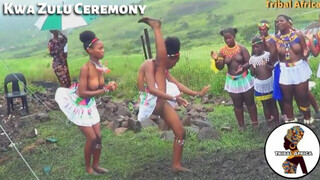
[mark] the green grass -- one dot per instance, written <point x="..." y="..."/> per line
<point x="124" y="154"/>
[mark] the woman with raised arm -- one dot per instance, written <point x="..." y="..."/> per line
<point x="160" y="92"/>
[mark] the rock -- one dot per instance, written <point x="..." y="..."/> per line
<point x="105" y="99"/>
<point x="111" y="107"/>
<point x="32" y="134"/>
<point x="124" y="124"/>
<point x="210" y="109"/>
<point x="193" y="113"/>
<point x="40" y="141"/>
<point x="193" y="128"/>
<point x="203" y="115"/>
<point x="120" y="131"/>
<point x="126" y="118"/>
<point x="162" y="125"/>
<point x="167" y="135"/>
<point x="201" y="124"/>
<point x="124" y="111"/>
<point x="116" y="123"/>
<point x="43" y="117"/>
<point x="103" y="115"/>
<point x="134" y="125"/>
<point x="226" y="128"/>
<point x="198" y="107"/>
<point x="104" y="123"/>
<point x="186" y="121"/>
<point x="100" y="105"/>
<point x="189" y="107"/>
<point x="205" y="100"/>
<point x="50" y="95"/>
<point x="3" y="149"/>
<point x="147" y="123"/>
<point x="228" y="103"/>
<point x="207" y="133"/>
<point x="110" y="125"/>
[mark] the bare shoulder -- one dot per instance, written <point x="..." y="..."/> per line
<point x="148" y="64"/>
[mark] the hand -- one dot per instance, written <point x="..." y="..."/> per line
<point x="239" y="69"/>
<point x="181" y="101"/>
<point x="214" y="55"/>
<point x="309" y="36"/>
<point x="204" y="90"/>
<point x="111" y="86"/>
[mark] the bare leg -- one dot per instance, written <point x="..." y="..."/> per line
<point x="97" y="151"/>
<point x="238" y="109"/>
<point x="271" y="113"/>
<point x="287" y="100"/>
<point x="174" y="122"/>
<point x="252" y="108"/>
<point x="313" y="102"/>
<point x="301" y="92"/>
<point x="89" y="146"/>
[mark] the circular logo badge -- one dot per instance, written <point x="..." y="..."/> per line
<point x="292" y="150"/>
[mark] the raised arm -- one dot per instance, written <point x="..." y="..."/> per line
<point x="314" y="50"/>
<point x="219" y="59"/>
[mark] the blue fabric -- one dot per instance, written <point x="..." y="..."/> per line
<point x="277" y="94"/>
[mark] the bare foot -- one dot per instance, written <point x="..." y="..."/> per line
<point x="180" y="169"/>
<point x="242" y="128"/>
<point x="154" y="23"/>
<point x="101" y="170"/>
<point x="91" y="171"/>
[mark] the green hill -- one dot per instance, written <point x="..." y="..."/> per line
<point x="195" y="22"/>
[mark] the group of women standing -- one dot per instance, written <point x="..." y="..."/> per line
<point x="280" y="69"/>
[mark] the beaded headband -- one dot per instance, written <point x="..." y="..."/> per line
<point x="93" y="40"/>
<point x="263" y="25"/>
<point x="174" y="55"/>
<point x="257" y="42"/>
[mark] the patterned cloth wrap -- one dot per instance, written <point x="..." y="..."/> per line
<point x="289" y="167"/>
<point x="148" y="101"/>
<point x="82" y="112"/>
<point x="294" y="135"/>
<point x="240" y="83"/>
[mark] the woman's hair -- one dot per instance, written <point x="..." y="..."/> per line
<point x="86" y="38"/>
<point x="232" y="31"/>
<point x="172" y="45"/>
<point x="264" y="21"/>
<point x="256" y="40"/>
<point x="287" y="18"/>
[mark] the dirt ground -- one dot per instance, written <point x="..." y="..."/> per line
<point x="222" y="165"/>
<point x="219" y="165"/>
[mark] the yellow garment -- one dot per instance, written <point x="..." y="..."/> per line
<point x="213" y="66"/>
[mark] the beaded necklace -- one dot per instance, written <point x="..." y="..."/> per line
<point x="100" y="67"/>
<point x="230" y="52"/>
<point x="286" y="41"/>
